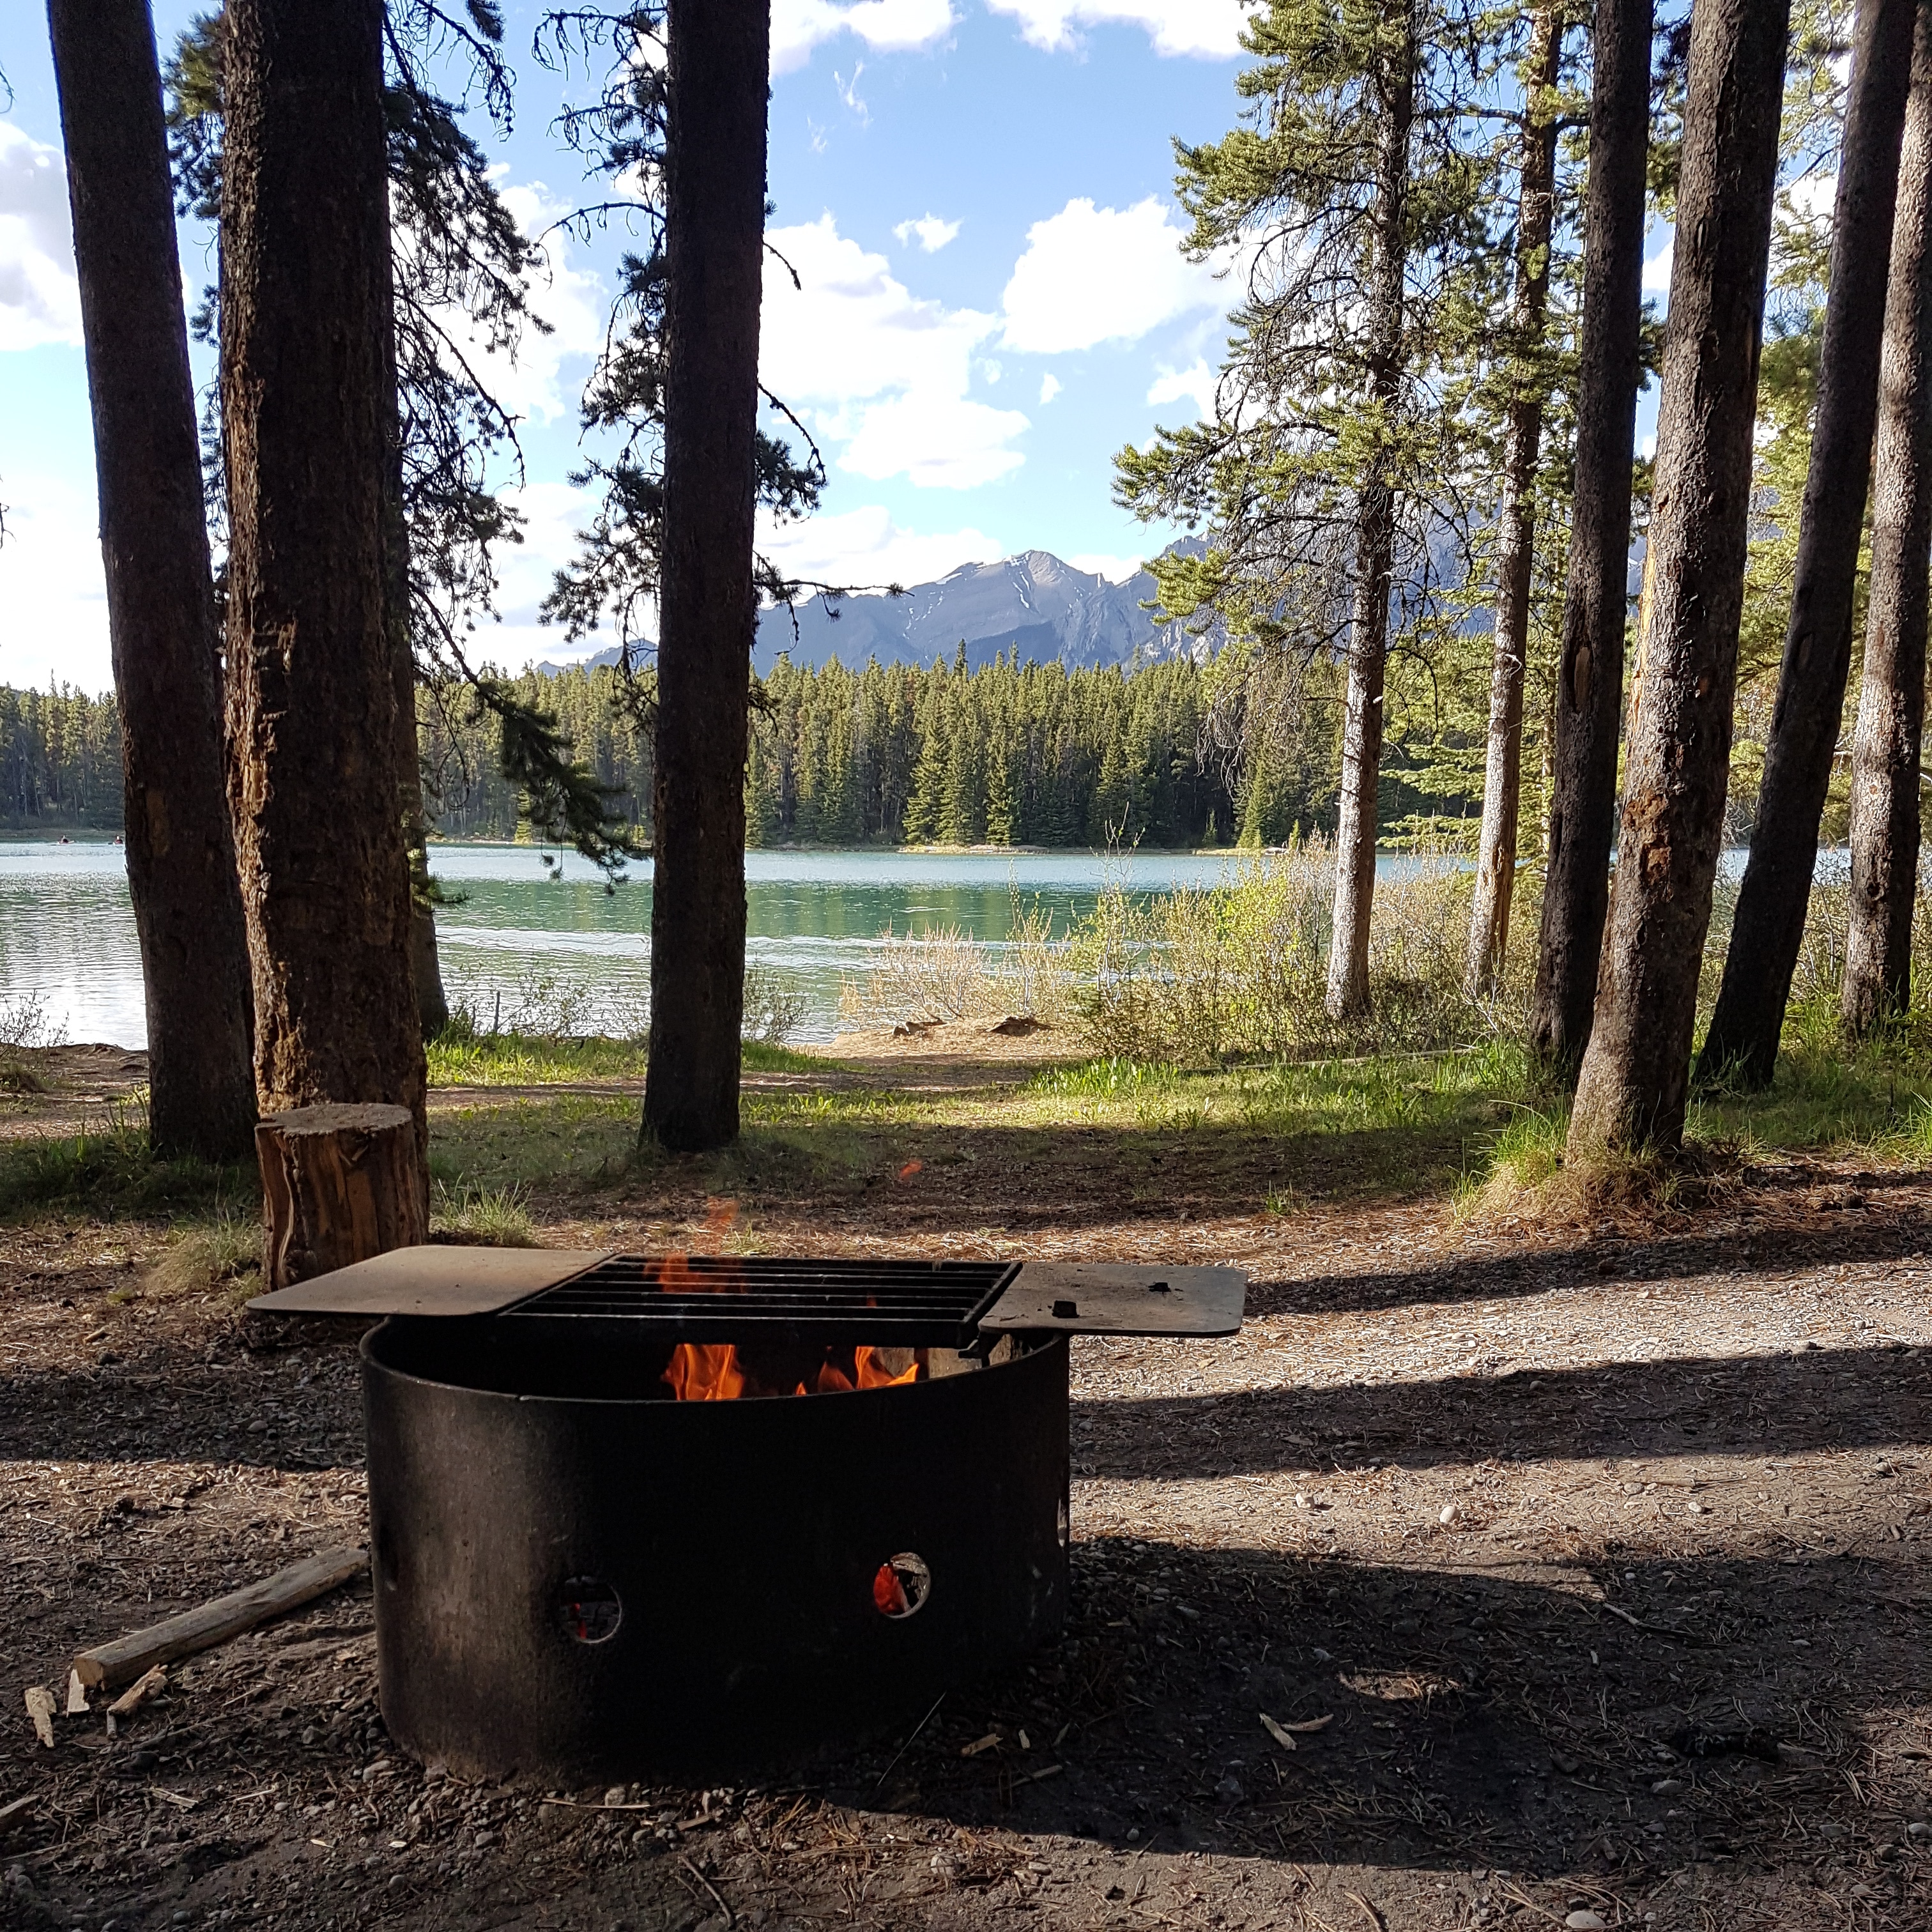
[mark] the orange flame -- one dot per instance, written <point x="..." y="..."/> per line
<point x="888" y="1592"/>
<point x="710" y="1372"/>
<point x="705" y="1371"/>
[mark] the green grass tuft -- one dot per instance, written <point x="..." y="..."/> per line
<point x="109" y="1171"/>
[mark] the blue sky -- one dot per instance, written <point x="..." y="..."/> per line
<point x="977" y="195"/>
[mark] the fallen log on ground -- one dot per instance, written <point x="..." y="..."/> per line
<point x="109" y="1665"/>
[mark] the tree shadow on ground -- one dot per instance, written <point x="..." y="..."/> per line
<point x="1703" y="1405"/>
<point x="1501" y="1721"/>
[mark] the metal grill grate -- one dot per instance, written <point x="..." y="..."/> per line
<point x="733" y="1298"/>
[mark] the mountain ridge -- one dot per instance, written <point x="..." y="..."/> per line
<point x="1033" y="602"/>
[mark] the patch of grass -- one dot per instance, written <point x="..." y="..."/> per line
<point x="525" y="1146"/>
<point x="225" y="1253"/>
<point x="488" y="1217"/>
<point x="764" y="1056"/>
<point x="458" y="1057"/>
<point x="110" y="1172"/>
<point x="16" y="1079"/>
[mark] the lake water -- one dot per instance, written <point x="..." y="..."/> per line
<point x="528" y="937"/>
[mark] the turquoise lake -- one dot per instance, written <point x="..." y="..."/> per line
<point x="525" y="935"/>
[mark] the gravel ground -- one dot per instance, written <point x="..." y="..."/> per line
<point x="1593" y="1563"/>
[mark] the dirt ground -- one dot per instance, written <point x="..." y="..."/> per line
<point x="1595" y="1560"/>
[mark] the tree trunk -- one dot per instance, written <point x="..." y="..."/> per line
<point x="1375" y="551"/>
<point x="1516" y="543"/>
<point x="312" y="686"/>
<point x="161" y="601"/>
<point x="432" y="1007"/>
<point x="714" y="241"/>
<point x="1631" y="1094"/>
<point x="1590" y="674"/>
<point x="1769" y="929"/>
<point x="1891" y="700"/>
<point x="338" y="1185"/>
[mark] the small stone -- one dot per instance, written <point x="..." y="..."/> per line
<point x="484" y="1840"/>
<point x="618" y="1794"/>
<point x="1448" y="1514"/>
<point x="1229" y="1790"/>
<point x="1919" y="1827"/>
<point x="1665" y="1786"/>
<point x="1587" y="1921"/>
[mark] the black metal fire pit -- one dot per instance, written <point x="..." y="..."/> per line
<point x="579" y="1575"/>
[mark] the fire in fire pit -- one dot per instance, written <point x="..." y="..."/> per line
<point x="596" y="1556"/>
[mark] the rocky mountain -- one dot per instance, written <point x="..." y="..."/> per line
<point x="1033" y="602"/>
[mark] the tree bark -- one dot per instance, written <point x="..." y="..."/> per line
<point x="1590" y="675"/>
<point x="1769" y="929"/>
<point x="312" y="686"/>
<point x="1631" y="1094"/>
<point x="1892" y="698"/>
<point x="161" y="599"/>
<point x="432" y="1007"/>
<point x="1516" y="543"/>
<point x="714" y="240"/>
<point x="1374" y="549"/>
<point x="338" y="1185"/>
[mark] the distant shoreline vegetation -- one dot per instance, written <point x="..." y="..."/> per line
<point x="1003" y="757"/>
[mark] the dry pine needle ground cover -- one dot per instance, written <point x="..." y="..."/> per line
<point x="1592" y="1562"/>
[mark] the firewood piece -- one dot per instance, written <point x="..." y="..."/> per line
<point x="9" y="1812"/>
<point x="138" y="1692"/>
<point x="110" y="1665"/>
<point x="339" y="1184"/>
<point x="41" y="1706"/>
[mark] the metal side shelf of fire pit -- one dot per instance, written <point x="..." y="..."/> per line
<point x="579" y="1576"/>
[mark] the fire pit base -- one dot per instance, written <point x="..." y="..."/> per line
<point x="578" y="1578"/>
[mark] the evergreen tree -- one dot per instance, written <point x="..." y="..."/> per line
<point x="1331" y="473"/>
<point x="1886" y="751"/>
<point x="161" y="599"/>
<point x="1588" y="698"/>
<point x="1631" y="1093"/>
<point x="1525" y="379"/>
<point x="1768" y="929"/>
<point x="311" y="696"/>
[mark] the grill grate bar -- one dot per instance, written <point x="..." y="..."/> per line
<point x="717" y="1297"/>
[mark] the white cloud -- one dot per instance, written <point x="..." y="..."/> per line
<point x="935" y="441"/>
<point x="528" y="382"/>
<point x="848" y="92"/>
<point x="53" y="587"/>
<point x="40" y="300"/>
<point x="1171" y="386"/>
<point x="886" y="26"/>
<point x="1049" y="387"/>
<point x="876" y="369"/>
<point x="1099" y="275"/>
<point x="866" y="547"/>
<point x="1099" y="563"/>
<point x="930" y="233"/>
<point x="1209" y="29"/>
<point x="552" y="513"/>
<point x="1657" y="270"/>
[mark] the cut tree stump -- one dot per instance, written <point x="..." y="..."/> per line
<point x="339" y="1184"/>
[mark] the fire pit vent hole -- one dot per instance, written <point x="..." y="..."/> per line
<point x="590" y="1609"/>
<point x="1065" y="1311"/>
<point x="901" y="1586"/>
